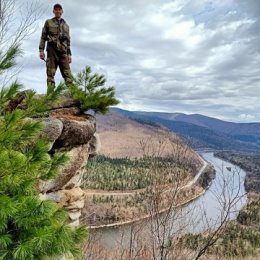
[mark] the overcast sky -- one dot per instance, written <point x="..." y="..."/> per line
<point x="190" y="56"/>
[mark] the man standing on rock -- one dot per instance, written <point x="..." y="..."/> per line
<point x="56" y="33"/>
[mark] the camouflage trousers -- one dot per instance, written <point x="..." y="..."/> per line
<point x="57" y="59"/>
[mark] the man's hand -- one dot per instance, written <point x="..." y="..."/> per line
<point x="42" y="55"/>
<point x="69" y="59"/>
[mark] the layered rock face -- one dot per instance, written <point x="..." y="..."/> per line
<point x="67" y="130"/>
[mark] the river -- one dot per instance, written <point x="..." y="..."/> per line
<point x="226" y="193"/>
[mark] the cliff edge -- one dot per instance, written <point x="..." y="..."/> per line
<point x="69" y="130"/>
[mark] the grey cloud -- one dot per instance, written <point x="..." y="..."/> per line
<point x="118" y="38"/>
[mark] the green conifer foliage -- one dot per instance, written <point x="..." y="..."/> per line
<point x="92" y="93"/>
<point x="7" y="59"/>
<point x="30" y="229"/>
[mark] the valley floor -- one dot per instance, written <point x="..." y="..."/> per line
<point x="117" y="207"/>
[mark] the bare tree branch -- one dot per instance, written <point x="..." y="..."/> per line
<point x="17" y="23"/>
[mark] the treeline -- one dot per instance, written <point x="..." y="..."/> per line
<point x="124" y="174"/>
<point x="234" y="241"/>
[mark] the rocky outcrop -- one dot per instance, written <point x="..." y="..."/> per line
<point x="68" y="130"/>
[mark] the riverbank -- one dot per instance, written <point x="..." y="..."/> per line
<point x="250" y="163"/>
<point x="240" y="238"/>
<point x="186" y="194"/>
<point x="147" y="215"/>
<point x="195" y="217"/>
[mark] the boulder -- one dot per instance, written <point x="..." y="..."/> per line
<point x="64" y="102"/>
<point x="74" y="133"/>
<point x="65" y="111"/>
<point x="69" y="130"/>
<point x="74" y="214"/>
<point x="94" y="145"/>
<point x="71" y="199"/>
<point x="52" y="130"/>
<point x="70" y="174"/>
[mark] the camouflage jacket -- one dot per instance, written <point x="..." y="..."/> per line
<point x="57" y="34"/>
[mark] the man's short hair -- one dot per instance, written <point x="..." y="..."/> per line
<point x="57" y="6"/>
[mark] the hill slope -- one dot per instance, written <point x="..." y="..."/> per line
<point x="124" y="137"/>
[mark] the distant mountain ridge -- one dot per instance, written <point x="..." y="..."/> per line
<point x="202" y="131"/>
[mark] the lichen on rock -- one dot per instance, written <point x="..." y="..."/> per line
<point x="69" y="130"/>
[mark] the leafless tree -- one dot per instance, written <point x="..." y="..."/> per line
<point x="230" y="196"/>
<point x="17" y="23"/>
<point x="160" y="235"/>
<point x="167" y="221"/>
